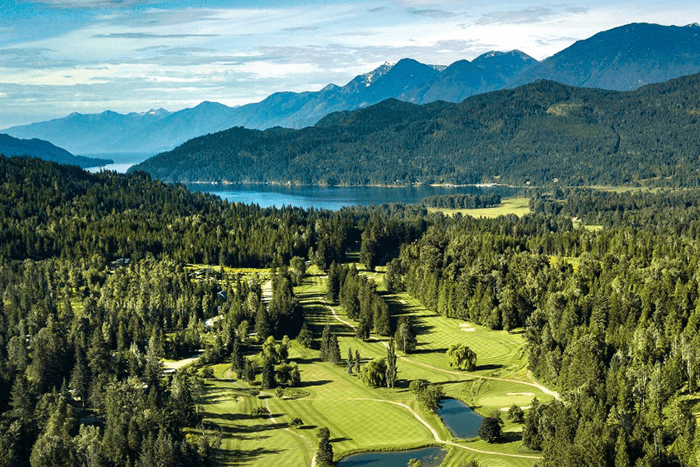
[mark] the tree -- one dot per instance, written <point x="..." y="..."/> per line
<point x="357" y="361"/>
<point x="248" y="370"/>
<point x="262" y="324"/>
<point x="373" y="373"/>
<point x="268" y="373"/>
<point x="405" y="335"/>
<point x="237" y="358"/>
<point x="391" y="370"/>
<point x="334" y="351"/>
<point x="429" y="395"/>
<point x="298" y="269"/>
<point x="516" y="414"/>
<point x="532" y="435"/>
<point x="324" y="454"/>
<point x="490" y="429"/>
<point x="305" y="336"/>
<point x="363" y="329"/>
<point x="350" y="362"/>
<point x="333" y="283"/>
<point x="326" y="343"/>
<point x="79" y="379"/>
<point x="462" y="357"/>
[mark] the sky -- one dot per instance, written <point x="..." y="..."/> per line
<point x="87" y="56"/>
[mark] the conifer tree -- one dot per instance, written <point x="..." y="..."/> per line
<point x="324" y="455"/>
<point x="268" y="373"/>
<point x="357" y="361"/>
<point x="334" y="350"/>
<point x="237" y="357"/>
<point x="326" y="343"/>
<point x="350" y="361"/>
<point x="391" y="370"/>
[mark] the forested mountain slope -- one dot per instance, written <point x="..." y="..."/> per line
<point x="540" y="133"/>
<point x="10" y="146"/>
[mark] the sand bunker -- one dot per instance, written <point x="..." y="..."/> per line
<point x="466" y="327"/>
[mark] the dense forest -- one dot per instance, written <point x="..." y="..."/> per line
<point x="610" y="316"/>
<point x="462" y="201"/>
<point x="543" y="133"/>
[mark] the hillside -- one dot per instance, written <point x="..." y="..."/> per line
<point x="10" y="146"/>
<point x="542" y="133"/>
<point x="623" y="58"/>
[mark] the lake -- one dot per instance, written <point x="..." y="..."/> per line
<point x="321" y="197"/>
<point x="335" y="197"/>
<point x="430" y="457"/>
<point x="459" y="418"/>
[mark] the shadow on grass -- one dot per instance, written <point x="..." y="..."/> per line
<point x="244" y="456"/>
<point x="338" y="440"/>
<point x="302" y="361"/>
<point x="320" y="382"/>
<point x="510" y="437"/>
<point x="420" y="351"/>
<point x="488" y="367"/>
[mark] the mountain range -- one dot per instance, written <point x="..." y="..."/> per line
<point x="622" y="58"/>
<point x="40" y="149"/>
<point x="543" y="133"/>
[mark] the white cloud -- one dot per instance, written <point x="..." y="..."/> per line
<point x="158" y="55"/>
<point x="82" y="4"/>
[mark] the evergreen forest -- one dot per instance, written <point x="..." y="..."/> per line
<point x="104" y="277"/>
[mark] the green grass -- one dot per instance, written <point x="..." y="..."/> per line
<point x="517" y="206"/>
<point x="332" y="398"/>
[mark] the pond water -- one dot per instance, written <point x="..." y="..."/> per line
<point x="430" y="457"/>
<point x="335" y="197"/>
<point x="459" y="418"/>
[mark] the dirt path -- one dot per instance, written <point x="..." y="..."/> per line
<point x="449" y="443"/>
<point x="267" y="292"/>
<point x="461" y="373"/>
<point x="171" y="367"/>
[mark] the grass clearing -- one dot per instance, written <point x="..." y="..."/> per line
<point x="517" y="206"/>
<point x="361" y="418"/>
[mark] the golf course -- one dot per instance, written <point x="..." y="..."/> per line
<point x="361" y="418"/>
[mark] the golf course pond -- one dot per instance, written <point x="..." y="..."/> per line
<point x="429" y="457"/>
<point x="459" y="418"/>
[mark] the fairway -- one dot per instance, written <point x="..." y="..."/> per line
<point x="361" y="418"/>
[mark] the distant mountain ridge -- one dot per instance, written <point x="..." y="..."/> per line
<point x="622" y="58"/>
<point x="40" y="149"/>
<point x="543" y="133"/>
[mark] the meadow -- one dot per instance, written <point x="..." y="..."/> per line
<point x="517" y="206"/>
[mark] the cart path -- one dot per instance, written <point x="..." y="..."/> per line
<point x="449" y="443"/>
<point x="461" y="374"/>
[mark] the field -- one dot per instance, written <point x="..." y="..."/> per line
<point x="517" y="206"/>
<point x="361" y="418"/>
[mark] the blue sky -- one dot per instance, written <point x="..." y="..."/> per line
<point x="63" y="56"/>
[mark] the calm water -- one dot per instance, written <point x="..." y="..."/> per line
<point x="459" y="418"/>
<point x="334" y="198"/>
<point x="430" y="457"/>
<point x="122" y="161"/>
